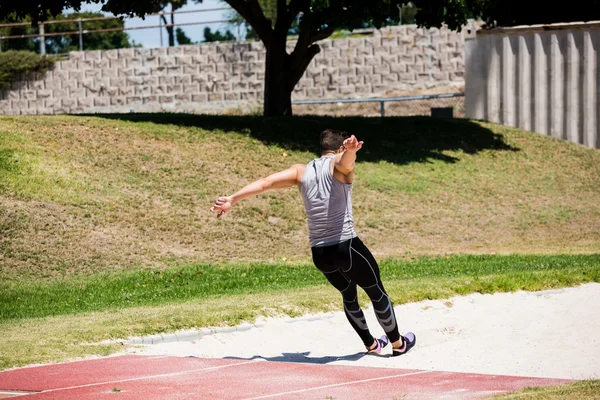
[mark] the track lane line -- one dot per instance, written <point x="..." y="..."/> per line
<point x="146" y="377"/>
<point x="337" y="385"/>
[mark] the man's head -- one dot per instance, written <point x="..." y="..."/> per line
<point x="333" y="140"/>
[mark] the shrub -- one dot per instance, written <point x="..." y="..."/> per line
<point x="16" y="65"/>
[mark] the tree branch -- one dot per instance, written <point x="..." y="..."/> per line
<point x="250" y="10"/>
<point x="284" y="18"/>
<point x="304" y="32"/>
<point x="298" y="70"/>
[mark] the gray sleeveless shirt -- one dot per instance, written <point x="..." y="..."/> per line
<point x="328" y="204"/>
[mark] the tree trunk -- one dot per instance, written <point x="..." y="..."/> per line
<point x="169" y="29"/>
<point x="278" y="80"/>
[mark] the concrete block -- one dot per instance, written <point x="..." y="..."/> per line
<point x="53" y="103"/>
<point x="175" y="51"/>
<point x="134" y="100"/>
<point x="126" y="72"/>
<point x="206" y="68"/>
<point x="440" y="76"/>
<point x="224" y="68"/>
<point x="372" y="79"/>
<point x="158" y="51"/>
<point x="142" y="71"/>
<point x="184" y="60"/>
<point x="76" y="75"/>
<point x="200" y="97"/>
<point x="126" y="90"/>
<point x="182" y="80"/>
<point x="355" y="79"/>
<point x="119" y="63"/>
<point x="249" y="96"/>
<point x="142" y="90"/>
<point x="381" y="69"/>
<point x="407" y="77"/>
<point x="373" y="60"/>
<point x="191" y="88"/>
<point x="118" y="101"/>
<point x="167" y="61"/>
<point x="101" y="101"/>
<point x="84" y="102"/>
<point x="457" y="76"/>
<point x="160" y="89"/>
<point x="44" y="93"/>
<point x="93" y="55"/>
<point x="215" y="96"/>
<point x="190" y="70"/>
<point x="232" y="96"/>
<point x="93" y="73"/>
<point x="389" y="78"/>
<point x="191" y="50"/>
<point x="29" y="95"/>
<point x="398" y="68"/>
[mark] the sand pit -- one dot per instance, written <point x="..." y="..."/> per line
<point x="550" y="334"/>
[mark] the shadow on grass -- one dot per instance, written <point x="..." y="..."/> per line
<point x="399" y="140"/>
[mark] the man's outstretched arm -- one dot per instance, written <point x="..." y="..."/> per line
<point x="279" y="180"/>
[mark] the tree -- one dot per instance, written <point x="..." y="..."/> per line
<point x="182" y="38"/>
<point x="66" y="43"/>
<point x="217" y="36"/>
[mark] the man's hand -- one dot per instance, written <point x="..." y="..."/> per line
<point x="352" y="144"/>
<point x="222" y="205"/>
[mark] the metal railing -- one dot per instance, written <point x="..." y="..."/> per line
<point x="381" y="100"/>
<point x="80" y="31"/>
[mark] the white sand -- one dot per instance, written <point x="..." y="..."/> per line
<point x="553" y="334"/>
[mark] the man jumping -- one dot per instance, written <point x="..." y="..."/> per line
<point x="326" y="187"/>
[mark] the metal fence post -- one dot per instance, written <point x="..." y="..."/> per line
<point x="79" y="24"/>
<point x="382" y="108"/>
<point x="42" y="39"/>
<point x="160" y="30"/>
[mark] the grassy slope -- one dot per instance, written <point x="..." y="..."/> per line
<point x="83" y="194"/>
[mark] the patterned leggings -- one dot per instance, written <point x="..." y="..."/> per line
<point x="346" y="265"/>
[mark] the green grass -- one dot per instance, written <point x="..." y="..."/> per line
<point x="114" y="291"/>
<point x="82" y="195"/>
<point x="584" y="390"/>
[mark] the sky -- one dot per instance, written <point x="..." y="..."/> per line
<point x="151" y="37"/>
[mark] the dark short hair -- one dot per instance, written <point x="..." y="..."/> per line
<point x="332" y="139"/>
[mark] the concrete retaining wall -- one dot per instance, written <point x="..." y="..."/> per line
<point x="540" y="78"/>
<point x="209" y="77"/>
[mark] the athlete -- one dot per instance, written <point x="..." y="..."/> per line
<point x="326" y="187"/>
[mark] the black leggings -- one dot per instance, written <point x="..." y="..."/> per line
<point x="346" y="265"/>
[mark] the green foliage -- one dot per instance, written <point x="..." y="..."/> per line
<point x="181" y="37"/>
<point x="217" y="36"/>
<point x="20" y="64"/>
<point x="502" y="13"/>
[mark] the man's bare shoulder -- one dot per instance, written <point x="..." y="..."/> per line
<point x="300" y="168"/>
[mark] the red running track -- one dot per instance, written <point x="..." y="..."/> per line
<point x="165" y="378"/>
